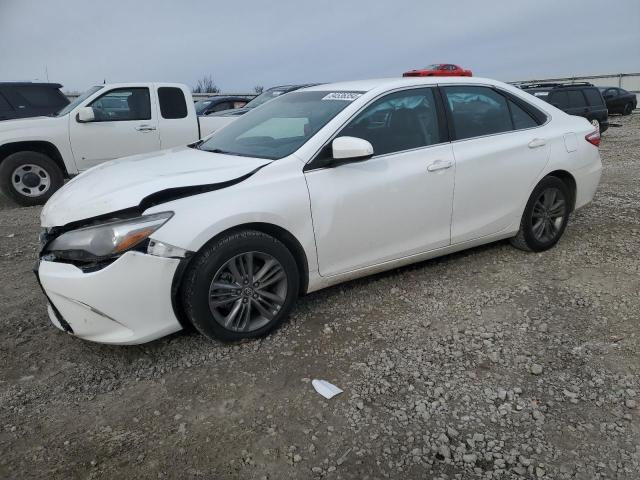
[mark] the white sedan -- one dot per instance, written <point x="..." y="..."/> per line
<point x="314" y="188"/>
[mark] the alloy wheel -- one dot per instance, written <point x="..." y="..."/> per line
<point x="548" y="214"/>
<point x="248" y="291"/>
<point x="31" y="180"/>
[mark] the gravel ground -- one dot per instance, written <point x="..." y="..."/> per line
<point x="491" y="363"/>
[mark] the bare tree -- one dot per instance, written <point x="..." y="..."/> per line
<point x="206" y="85"/>
<point x="258" y="89"/>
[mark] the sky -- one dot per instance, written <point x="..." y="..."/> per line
<point x="244" y="43"/>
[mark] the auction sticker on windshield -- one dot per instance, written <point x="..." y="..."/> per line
<point x="345" y="96"/>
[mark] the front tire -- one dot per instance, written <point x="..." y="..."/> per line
<point x="241" y="286"/>
<point x="545" y="217"/>
<point x="29" y="178"/>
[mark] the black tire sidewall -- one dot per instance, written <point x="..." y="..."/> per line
<point x="203" y="268"/>
<point x="13" y="161"/>
<point x="532" y="242"/>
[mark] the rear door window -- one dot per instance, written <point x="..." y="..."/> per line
<point x="559" y="99"/>
<point x="593" y="97"/>
<point x="172" y="103"/>
<point x="477" y="111"/>
<point x="576" y="99"/>
<point x="4" y="105"/>
<point x="40" y="97"/>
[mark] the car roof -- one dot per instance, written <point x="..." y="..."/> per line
<point x="30" y="84"/>
<point x="399" y="82"/>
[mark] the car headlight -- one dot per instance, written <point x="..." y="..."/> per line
<point x="106" y="240"/>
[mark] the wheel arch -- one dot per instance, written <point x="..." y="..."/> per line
<point x="569" y="181"/>
<point x="40" y="146"/>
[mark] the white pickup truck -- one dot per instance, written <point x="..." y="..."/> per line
<point x="106" y="122"/>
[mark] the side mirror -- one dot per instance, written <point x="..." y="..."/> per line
<point x="85" y="114"/>
<point x="350" y="149"/>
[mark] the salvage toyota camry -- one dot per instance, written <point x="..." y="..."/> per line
<point x="317" y="187"/>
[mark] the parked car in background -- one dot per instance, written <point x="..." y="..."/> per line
<point x="106" y="122"/>
<point x="27" y="99"/>
<point x="618" y="100"/>
<point x="313" y="188"/>
<point x="223" y="118"/>
<point x="439" y="70"/>
<point x="220" y="103"/>
<point x="581" y="99"/>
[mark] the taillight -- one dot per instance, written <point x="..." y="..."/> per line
<point x="593" y="138"/>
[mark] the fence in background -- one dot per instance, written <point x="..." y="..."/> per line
<point x="628" y="81"/>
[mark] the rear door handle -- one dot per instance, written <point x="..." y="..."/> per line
<point x="537" y="142"/>
<point x="439" y="165"/>
<point x="145" y="128"/>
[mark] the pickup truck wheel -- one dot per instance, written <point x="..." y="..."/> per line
<point x="29" y="178"/>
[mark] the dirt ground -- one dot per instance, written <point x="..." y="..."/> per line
<point x="491" y="363"/>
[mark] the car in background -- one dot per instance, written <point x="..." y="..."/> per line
<point x="220" y="103"/>
<point x="314" y="188"/>
<point x="439" y="70"/>
<point x="27" y="99"/>
<point x="618" y="100"/>
<point x="106" y="122"/>
<point x="225" y="117"/>
<point x="580" y="98"/>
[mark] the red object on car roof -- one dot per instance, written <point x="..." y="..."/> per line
<point x="439" y="70"/>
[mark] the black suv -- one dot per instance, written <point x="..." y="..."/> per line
<point x="581" y="99"/>
<point x="619" y="100"/>
<point x="26" y="99"/>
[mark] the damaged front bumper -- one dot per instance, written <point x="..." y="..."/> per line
<point x="127" y="302"/>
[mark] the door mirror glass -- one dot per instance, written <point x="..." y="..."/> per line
<point x="85" y="114"/>
<point x="351" y="148"/>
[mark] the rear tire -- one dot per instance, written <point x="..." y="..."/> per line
<point x="29" y="178"/>
<point x="628" y="108"/>
<point x="545" y="217"/>
<point x="241" y="286"/>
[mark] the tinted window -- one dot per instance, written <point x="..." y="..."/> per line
<point x="123" y="104"/>
<point x="576" y="99"/>
<point x="4" y="105"/>
<point x="593" y="96"/>
<point x="521" y="119"/>
<point x="40" y="96"/>
<point x="477" y="111"/>
<point x="398" y="121"/>
<point x="559" y="99"/>
<point x="172" y="102"/>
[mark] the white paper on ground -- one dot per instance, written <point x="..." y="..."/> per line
<point x="326" y="389"/>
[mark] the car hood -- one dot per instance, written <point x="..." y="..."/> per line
<point x="29" y="123"/>
<point x="139" y="180"/>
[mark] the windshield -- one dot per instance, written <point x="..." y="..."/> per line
<point x="202" y="105"/>
<point x="280" y="127"/>
<point x="435" y="66"/>
<point x="265" y="97"/>
<point x="78" y="101"/>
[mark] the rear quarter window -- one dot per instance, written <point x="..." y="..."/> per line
<point x="40" y="97"/>
<point x="172" y="103"/>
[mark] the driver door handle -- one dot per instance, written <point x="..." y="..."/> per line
<point x="537" y="142"/>
<point x="439" y="165"/>
<point x="145" y="128"/>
